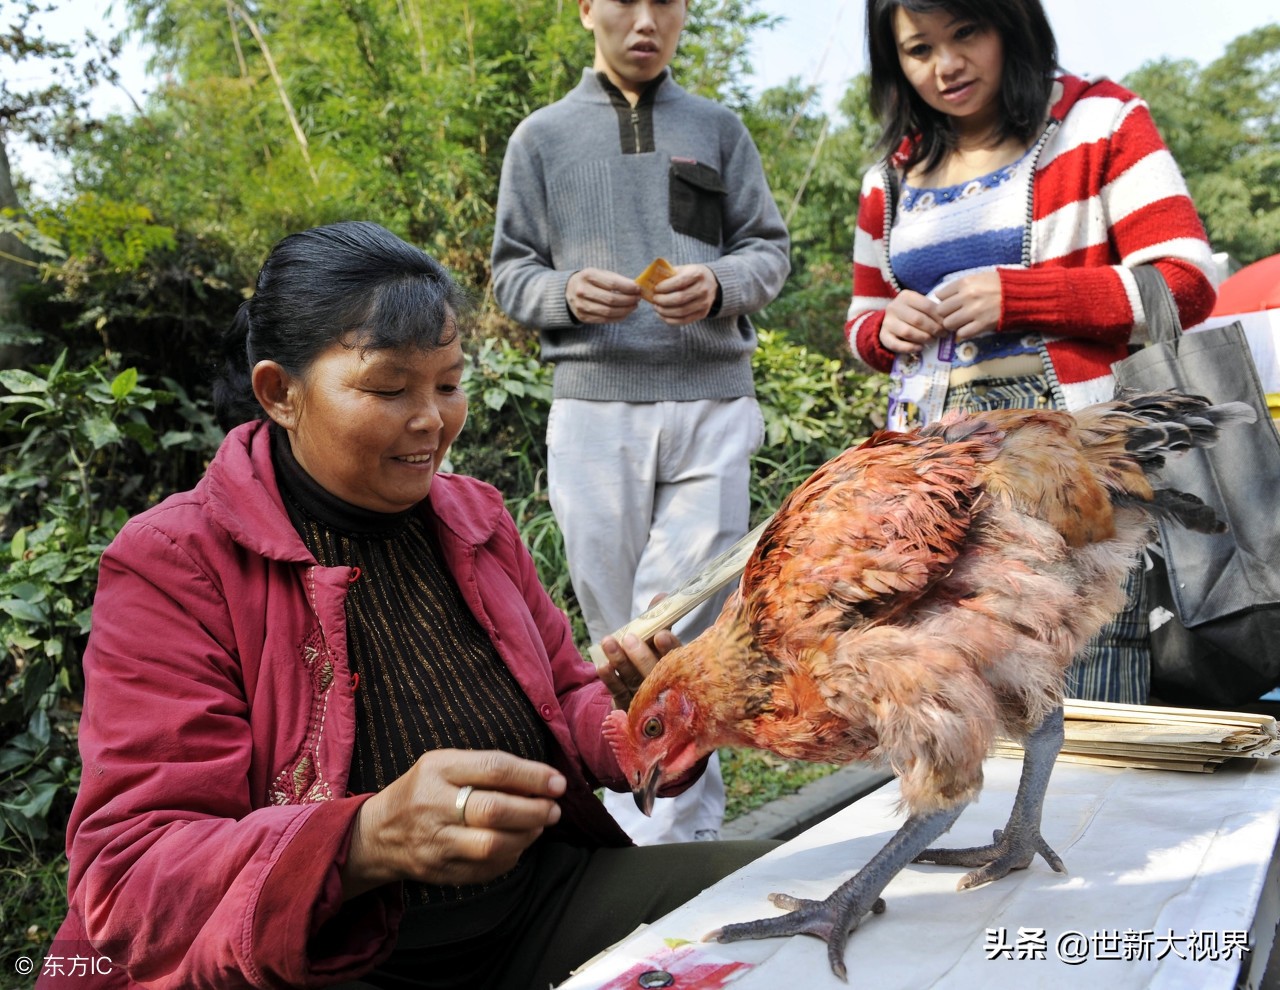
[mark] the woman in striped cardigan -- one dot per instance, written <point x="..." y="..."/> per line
<point x="994" y="245"/>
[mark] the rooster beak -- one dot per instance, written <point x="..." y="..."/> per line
<point x="645" y="793"/>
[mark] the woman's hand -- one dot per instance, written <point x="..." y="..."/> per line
<point x="598" y="296"/>
<point x="686" y="296"/>
<point x="970" y="305"/>
<point x="629" y="662"/>
<point x="414" y="830"/>
<point x="910" y="321"/>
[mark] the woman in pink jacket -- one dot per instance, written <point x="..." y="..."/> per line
<point x="993" y="256"/>
<point x="334" y="728"/>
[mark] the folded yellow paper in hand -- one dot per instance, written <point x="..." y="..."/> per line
<point x="659" y="270"/>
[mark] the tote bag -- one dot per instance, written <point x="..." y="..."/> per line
<point x="1215" y="629"/>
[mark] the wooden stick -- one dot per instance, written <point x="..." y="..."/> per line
<point x="1120" y="762"/>
<point x="1102" y="710"/>
<point x="1153" y="737"/>
<point x="715" y="575"/>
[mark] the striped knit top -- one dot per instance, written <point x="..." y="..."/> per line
<point x="1106" y="196"/>
<point x="941" y="233"/>
<point x="427" y="676"/>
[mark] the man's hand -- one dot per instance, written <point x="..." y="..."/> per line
<point x="686" y="296"/>
<point x="598" y="296"/>
<point x="629" y="662"/>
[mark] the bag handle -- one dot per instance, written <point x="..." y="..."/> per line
<point x="1163" y="321"/>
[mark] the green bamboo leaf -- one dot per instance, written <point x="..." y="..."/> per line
<point x="83" y="619"/>
<point x="39" y="675"/>
<point x="32" y="594"/>
<point x="55" y="370"/>
<point x="51" y="566"/>
<point x="12" y="757"/>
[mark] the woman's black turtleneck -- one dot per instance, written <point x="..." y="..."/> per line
<point x="427" y="675"/>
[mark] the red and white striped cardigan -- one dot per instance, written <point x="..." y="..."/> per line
<point x="1107" y="196"/>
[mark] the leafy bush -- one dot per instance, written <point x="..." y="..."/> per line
<point x="814" y="406"/>
<point x="116" y="282"/>
<point x="76" y="443"/>
<point x="510" y="397"/>
<point x="505" y="444"/>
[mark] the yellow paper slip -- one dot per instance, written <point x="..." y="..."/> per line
<point x="659" y="270"/>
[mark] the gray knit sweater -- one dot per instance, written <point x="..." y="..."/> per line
<point x="587" y="183"/>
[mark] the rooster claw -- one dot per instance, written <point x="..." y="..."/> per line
<point x="1007" y="853"/>
<point x="832" y="920"/>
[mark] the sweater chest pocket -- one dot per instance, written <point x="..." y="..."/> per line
<point x="696" y="195"/>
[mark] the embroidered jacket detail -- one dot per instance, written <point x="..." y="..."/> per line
<point x="300" y="782"/>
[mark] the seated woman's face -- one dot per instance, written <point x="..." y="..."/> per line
<point x="373" y="426"/>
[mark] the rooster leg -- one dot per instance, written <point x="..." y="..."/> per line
<point x="1016" y="845"/>
<point x="834" y="919"/>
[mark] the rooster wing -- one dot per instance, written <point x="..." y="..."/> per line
<point x="861" y="540"/>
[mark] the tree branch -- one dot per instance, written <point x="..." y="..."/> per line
<point x="284" y="96"/>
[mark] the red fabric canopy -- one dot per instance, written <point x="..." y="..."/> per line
<point x="1252" y="288"/>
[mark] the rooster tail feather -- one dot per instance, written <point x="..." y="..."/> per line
<point x="1171" y="421"/>
<point x="1180" y="508"/>
<point x="1162" y="423"/>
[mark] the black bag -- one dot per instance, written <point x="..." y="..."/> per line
<point x="1215" y="599"/>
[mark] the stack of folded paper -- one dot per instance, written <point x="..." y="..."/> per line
<point x="1107" y="734"/>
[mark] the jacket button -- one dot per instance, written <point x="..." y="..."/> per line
<point x="546" y="711"/>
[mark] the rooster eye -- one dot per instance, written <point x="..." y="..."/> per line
<point x="652" y="727"/>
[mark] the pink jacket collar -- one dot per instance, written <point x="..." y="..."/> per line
<point x="244" y="499"/>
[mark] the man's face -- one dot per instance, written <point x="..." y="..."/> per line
<point x="635" y="39"/>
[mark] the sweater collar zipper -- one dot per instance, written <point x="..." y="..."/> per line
<point x="635" y="126"/>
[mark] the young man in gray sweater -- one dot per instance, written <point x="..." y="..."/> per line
<point x="654" y="417"/>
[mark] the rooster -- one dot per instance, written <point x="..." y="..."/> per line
<point x="916" y="596"/>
